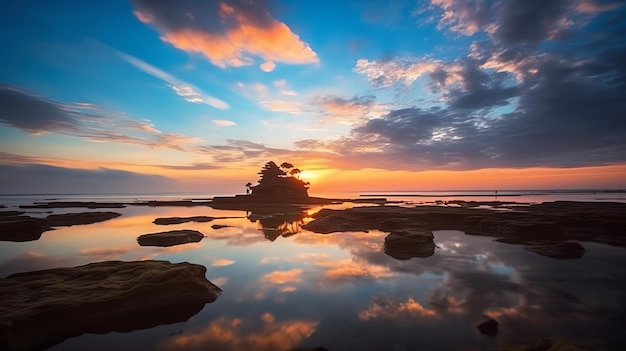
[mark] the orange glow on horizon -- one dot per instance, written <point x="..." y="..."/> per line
<point x="233" y="177"/>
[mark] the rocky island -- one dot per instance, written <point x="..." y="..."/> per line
<point x="278" y="186"/>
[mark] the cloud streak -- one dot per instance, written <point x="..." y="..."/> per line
<point x="185" y="90"/>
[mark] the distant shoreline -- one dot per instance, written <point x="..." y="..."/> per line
<point x="452" y="195"/>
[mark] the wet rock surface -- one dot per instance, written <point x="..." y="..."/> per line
<point x="560" y="221"/>
<point x="70" y="219"/>
<point x="170" y="238"/>
<point x="43" y="308"/>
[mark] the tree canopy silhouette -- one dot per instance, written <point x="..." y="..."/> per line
<point x="275" y="182"/>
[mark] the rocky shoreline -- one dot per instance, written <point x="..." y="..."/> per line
<point x="548" y="229"/>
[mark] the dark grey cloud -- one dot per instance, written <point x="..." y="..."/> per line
<point x="33" y="114"/>
<point x="510" y="103"/>
<point x="202" y="15"/>
<point x="38" y="115"/>
<point x="531" y="21"/>
<point x="44" y="179"/>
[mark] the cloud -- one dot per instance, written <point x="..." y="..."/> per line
<point x="349" y="111"/>
<point x="508" y="103"/>
<point x="382" y="306"/>
<point x="42" y="179"/>
<point x="34" y="114"/>
<point x="281" y="84"/>
<point x="185" y="90"/>
<point x="223" y="123"/>
<point x="292" y="107"/>
<point x="386" y="73"/>
<point x="38" y="115"/>
<point x="228" y="33"/>
<point x="238" y="334"/>
<point x="282" y="277"/>
<point x="267" y="66"/>
<point x="222" y="262"/>
<point x="516" y="22"/>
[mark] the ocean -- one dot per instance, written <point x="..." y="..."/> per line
<point x="287" y="288"/>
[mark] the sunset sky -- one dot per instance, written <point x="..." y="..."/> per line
<point x="195" y="96"/>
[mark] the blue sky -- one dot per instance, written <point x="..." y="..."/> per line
<point x="196" y="95"/>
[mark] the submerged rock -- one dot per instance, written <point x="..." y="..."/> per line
<point x="75" y="204"/>
<point x="42" y="308"/>
<point x="70" y="219"/>
<point x="551" y="344"/>
<point x="179" y="220"/>
<point x="489" y="328"/>
<point x="408" y="243"/>
<point x="170" y="238"/>
<point x="558" y="249"/>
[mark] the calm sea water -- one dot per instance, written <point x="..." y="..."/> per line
<point x="287" y="288"/>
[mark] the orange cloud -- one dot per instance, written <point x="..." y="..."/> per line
<point x="229" y="35"/>
<point x="282" y="277"/>
<point x="229" y="334"/>
<point x="386" y="307"/>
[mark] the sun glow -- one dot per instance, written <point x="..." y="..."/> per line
<point x="308" y="175"/>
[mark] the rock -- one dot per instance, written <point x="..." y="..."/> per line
<point x="557" y="249"/>
<point x="171" y="238"/>
<point x="70" y="219"/>
<point x="489" y="328"/>
<point x="551" y="344"/>
<point x="183" y="203"/>
<point x="22" y="228"/>
<point x="14" y="226"/>
<point x="408" y="243"/>
<point x="332" y="224"/>
<point x="556" y="221"/>
<point x="75" y="204"/>
<point x="42" y="308"/>
<point x="179" y="220"/>
<point x="219" y="226"/>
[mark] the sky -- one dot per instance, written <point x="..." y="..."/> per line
<point x="147" y="96"/>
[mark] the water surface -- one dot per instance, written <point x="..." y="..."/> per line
<point x="285" y="287"/>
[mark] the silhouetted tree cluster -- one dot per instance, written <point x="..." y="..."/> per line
<point x="275" y="181"/>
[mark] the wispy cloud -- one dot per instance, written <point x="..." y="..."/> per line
<point x="292" y="107"/>
<point x="185" y="90"/>
<point x="223" y="123"/>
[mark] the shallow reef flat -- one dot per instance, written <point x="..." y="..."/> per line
<point x="547" y="229"/>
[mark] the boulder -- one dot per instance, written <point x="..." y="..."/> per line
<point x="408" y="243"/>
<point x="170" y="238"/>
<point x="42" y="308"/>
<point x="70" y="219"/>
